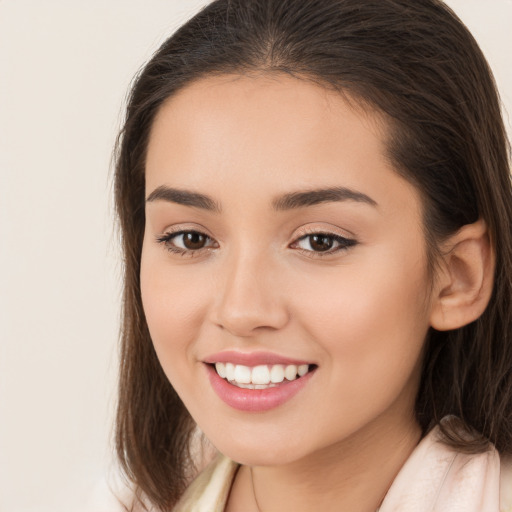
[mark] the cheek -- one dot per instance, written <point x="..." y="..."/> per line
<point x="174" y="305"/>
<point x="371" y="322"/>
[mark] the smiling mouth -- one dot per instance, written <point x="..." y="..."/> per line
<point x="261" y="376"/>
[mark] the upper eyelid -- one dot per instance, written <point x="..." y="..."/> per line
<point x="305" y="231"/>
<point x="186" y="228"/>
<point x="326" y="234"/>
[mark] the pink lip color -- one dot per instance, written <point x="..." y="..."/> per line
<point x="251" y="359"/>
<point x="255" y="400"/>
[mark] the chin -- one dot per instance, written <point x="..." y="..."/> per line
<point x="260" y="450"/>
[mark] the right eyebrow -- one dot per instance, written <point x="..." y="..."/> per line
<point x="184" y="197"/>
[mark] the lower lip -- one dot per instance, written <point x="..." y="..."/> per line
<point x="255" y="400"/>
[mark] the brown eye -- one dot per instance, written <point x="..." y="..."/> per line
<point x="193" y="240"/>
<point x="321" y="243"/>
<point x="186" y="242"/>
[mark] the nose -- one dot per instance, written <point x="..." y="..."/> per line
<point x="250" y="298"/>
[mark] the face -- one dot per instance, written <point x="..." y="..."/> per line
<point x="281" y="245"/>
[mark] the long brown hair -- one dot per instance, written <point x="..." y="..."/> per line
<point x="416" y="64"/>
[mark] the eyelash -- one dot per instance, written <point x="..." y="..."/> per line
<point x="343" y="243"/>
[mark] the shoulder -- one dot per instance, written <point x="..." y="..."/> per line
<point x="439" y="477"/>
<point x="506" y="483"/>
<point x="208" y="492"/>
<point x="210" y="489"/>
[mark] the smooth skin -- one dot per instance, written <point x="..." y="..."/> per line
<point x="242" y="270"/>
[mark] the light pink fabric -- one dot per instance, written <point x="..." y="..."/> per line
<point x="436" y="478"/>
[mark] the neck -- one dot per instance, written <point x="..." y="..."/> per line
<point x="354" y="474"/>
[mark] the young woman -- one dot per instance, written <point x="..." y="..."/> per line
<point x="316" y="212"/>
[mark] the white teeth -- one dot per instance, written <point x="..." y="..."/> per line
<point x="290" y="372"/>
<point x="277" y="373"/>
<point x="230" y="371"/>
<point x="261" y="376"/>
<point x="253" y="386"/>
<point x="221" y="369"/>
<point x="242" y="374"/>
<point x="303" y="369"/>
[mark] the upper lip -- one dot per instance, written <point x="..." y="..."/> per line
<point x="252" y="358"/>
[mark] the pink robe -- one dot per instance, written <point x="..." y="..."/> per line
<point x="435" y="478"/>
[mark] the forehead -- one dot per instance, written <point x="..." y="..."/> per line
<point x="267" y="132"/>
<point x="255" y="105"/>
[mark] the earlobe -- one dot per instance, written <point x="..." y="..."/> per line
<point x="465" y="280"/>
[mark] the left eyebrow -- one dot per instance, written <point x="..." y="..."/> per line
<point x="305" y="198"/>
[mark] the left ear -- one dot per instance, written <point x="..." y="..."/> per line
<point x="465" y="280"/>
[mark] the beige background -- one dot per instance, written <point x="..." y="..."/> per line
<point x="65" y="67"/>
